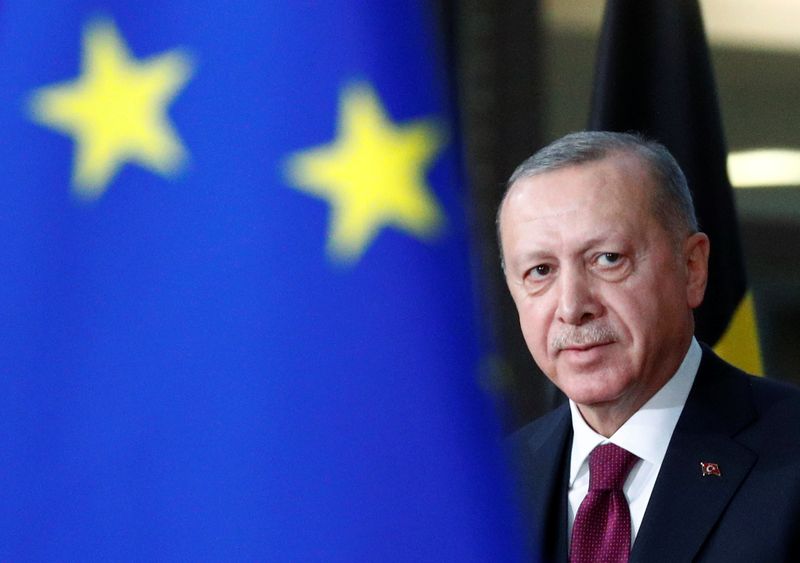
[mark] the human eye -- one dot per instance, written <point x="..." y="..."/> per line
<point x="539" y="271"/>
<point x="612" y="266"/>
<point x="537" y="278"/>
<point x="609" y="259"/>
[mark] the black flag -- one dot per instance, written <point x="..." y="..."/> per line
<point x="654" y="76"/>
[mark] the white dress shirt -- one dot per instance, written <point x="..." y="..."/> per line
<point x="646" y="434"/>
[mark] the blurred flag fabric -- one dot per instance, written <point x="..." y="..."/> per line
<point x="654" y="76"/>
<point x="238" y="306"/>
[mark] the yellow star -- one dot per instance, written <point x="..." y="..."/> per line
<point x="116" y="110"/>
<point x="372" y="175"/>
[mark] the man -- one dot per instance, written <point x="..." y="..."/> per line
<point x="664" y="452"/>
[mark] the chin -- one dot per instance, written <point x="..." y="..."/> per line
<point x="591" y="388"/>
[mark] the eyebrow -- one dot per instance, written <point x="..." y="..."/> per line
<point x="600" y="240"/>
<point x="528" y="257"/>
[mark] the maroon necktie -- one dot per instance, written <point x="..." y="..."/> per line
<point x="602" y="528"/>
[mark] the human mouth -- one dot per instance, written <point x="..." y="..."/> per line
<point x="584" y="354"/>
<point x="582" y="339"/>
<point x="583" y="347"/>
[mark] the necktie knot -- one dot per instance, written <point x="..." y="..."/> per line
<point x="609" y="466"/>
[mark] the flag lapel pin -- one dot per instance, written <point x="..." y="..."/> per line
<point x="709" y="468"/>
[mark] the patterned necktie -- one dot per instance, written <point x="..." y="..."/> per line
<point x="602" y="528"/>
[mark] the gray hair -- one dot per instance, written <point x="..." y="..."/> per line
<point x="671" y="201"/>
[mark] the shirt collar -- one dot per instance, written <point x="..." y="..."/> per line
<point x="647" y="433"/>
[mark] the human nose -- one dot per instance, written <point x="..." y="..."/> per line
<point x="577" y="303"/>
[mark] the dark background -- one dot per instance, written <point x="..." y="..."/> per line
<point x="521" y="82"/>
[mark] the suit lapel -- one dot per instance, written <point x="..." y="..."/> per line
<point x="544" y="464"/>
<point x="685" y="505"/>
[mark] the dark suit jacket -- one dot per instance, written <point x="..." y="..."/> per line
<point x="749" y="426"/>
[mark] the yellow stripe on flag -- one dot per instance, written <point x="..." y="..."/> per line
<point x="739" y="345"/>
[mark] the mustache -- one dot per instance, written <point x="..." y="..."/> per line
<point x="587" y="335"/>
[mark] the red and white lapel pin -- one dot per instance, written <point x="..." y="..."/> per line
<point x="710" y="468"/>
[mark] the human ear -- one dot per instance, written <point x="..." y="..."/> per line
<point x="696" y="251"/>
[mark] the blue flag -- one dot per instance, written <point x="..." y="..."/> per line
<point x="239" y="322"/>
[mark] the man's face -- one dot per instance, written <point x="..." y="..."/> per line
<point x="604" y="295"/>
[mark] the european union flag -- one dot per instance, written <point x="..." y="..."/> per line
<point x="238" y="310"/>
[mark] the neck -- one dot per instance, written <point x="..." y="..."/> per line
<point x="606" y="418"/>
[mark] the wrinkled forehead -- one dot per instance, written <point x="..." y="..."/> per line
<point x="617" y="184"/>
